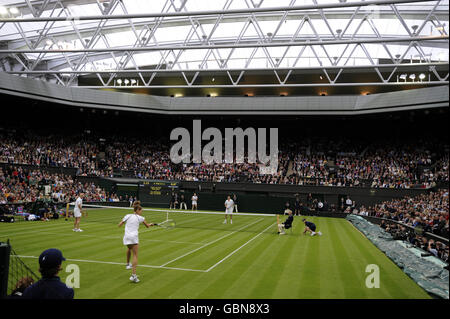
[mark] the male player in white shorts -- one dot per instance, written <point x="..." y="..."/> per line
<point x="229" y="207"/>
<point x="77" y="211"/>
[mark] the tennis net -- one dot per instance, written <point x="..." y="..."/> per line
<point x="20" y="276"/>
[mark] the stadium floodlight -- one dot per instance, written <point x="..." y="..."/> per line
<point x="412" y="77"/>
<point x="119" y="81"/>
<point x="133" y="81"/>
<point x="403" y="77"/>
<point x="440" y="27"/>
<point x="14" y="11"/>
<point x="421" y="76"/>
<point x="126" y="81"/>
<point x="3" y="10"/>
<point x="49" y="42"/>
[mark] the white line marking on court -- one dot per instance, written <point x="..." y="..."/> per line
<point x="121" y="264"/>
<point x="48" y="225"/>
<point x="237" y="249"/>
<point x="212" y="242"/>
<point x="115" y="237"/>
<point x="176" y="210"/>
<point x="163" y="266"/>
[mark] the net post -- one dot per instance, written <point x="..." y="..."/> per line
<point x="5" y="252"/>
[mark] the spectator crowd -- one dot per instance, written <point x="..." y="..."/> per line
<point x="308" y="162"/>
<point x="423" y="213"/>
<point x="19" y="185"/>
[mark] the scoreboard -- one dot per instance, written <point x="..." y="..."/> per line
<point x="160" y="187"/>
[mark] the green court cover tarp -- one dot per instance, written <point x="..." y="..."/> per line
<point x="425" y="271"/>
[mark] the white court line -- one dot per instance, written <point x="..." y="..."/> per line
<point x="62" y="225"/>
<point x="236" y="250"/>
<point x="212" y="242"/>
<point x="115" y="237"/>
<point x="48" y="225"/>
<point x="173" y="268"/>
<point x="122" y="264"/>
<point x="57" y="226"/>
<point x="178" y="210"/>
<point x="25" y="225"/>
<point x="144" y="209"/>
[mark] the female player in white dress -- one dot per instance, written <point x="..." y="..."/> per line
<point x="194" y="201"/>
<point x="131" y="237"/>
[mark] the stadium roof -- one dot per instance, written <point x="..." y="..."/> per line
<point x="188" y="44"/>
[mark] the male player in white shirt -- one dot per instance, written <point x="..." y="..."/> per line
<point x="78" y="209"/>
<point x="229" y="207"/>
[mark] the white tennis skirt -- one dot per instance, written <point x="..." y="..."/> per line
<point x="229" y="211"/>
<point x="130" y="240"/>
<point x="76" y="213"/>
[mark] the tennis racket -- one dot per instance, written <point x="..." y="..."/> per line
<point x="170" y="223"/>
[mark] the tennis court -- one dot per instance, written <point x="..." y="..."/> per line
<point x="203" y="258"/>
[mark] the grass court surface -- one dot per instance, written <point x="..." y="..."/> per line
<point x="203" y="258"/>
